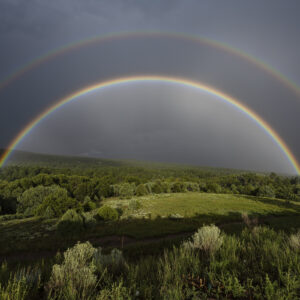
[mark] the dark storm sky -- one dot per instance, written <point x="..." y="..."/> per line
<point x="157" y="121"/>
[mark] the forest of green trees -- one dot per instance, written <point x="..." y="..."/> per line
<point x="50" y="192"/>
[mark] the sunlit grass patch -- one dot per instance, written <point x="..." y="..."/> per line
<point x="189" y="204"/>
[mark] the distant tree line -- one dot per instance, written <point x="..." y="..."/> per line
<point x="43" y="192"/>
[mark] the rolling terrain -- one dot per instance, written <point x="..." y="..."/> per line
<point x="149" y="212"/>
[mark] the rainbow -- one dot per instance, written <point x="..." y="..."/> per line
<point x="175" y="80"/>
<point x="124" y="35"/>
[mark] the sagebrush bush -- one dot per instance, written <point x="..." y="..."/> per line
<point x="294" y="241"/>
<point x="207" y="238"/>
<point x="114" y="260"/>
<point x="107" y="213"/>
<point x="116" y="291"/>
<point x="76" y="275"/>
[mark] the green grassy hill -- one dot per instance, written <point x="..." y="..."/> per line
<point x="23" y="158"/>
<point x="158" y="217"/>
<point x="191" y="204"/>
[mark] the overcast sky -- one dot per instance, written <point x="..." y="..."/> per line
<point x="153" y="121"/>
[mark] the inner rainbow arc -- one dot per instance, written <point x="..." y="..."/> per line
<point x="176" y="80"/>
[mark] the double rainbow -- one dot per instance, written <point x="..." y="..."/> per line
<point x="125" y="35"/>
<point x="174" y="80"/>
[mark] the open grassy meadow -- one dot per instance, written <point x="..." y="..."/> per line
<point x="192" y="204"/>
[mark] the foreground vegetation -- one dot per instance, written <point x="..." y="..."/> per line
<point x="144" y="231"/>
<point x="259" y="264"/>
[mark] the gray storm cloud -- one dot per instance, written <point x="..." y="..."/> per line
<point x="159" y="122"/>
<point x="267" y="30"/>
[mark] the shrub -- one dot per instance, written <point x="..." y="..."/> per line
<point x="134" y="205"/>
<point x="207" y="238"/>
<point x="157" y="187"/>
<point x="49" y="213"/>
<point x="141" y="190"/>
<point x="116" y="291"/>
<point x="166" y="186"/>
<point x="107" y="213"/>
<point x="192" y="186"/>
<point x="234" y="189"/>
<point x="294" y="241"/>
<point x="88" y="204"/>
<point x="76" y="275"/>
<point x="70" y="222"/>
<point x="214" y="188"/>
<point x="266" y="191"/>
<point x="178" y="187"/>
<point x="202" y="187"/>
<point x="114" y="260"/>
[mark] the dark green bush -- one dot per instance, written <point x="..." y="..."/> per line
<point x="141" y="190"/>
<point x="88" y="204"/>
<point x="71" y="222"/>
<point x="157" y="187"/>
<point x="107" y="213"/>
<point x="178" y="187"/>
<point x="214" y="188"/>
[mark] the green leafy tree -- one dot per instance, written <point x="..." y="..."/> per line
<point x="266" y="191"/>
<point x="58" y="201"/>
<point x="214" y="188"/>
<point x="141" y="190"/>
<point x="32" y="198"/>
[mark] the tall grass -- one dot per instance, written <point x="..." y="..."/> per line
<point x="258" y="264"/>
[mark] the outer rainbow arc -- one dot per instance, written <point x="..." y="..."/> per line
<point x="115" y="36"/>
<point x="263" y="124"/>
